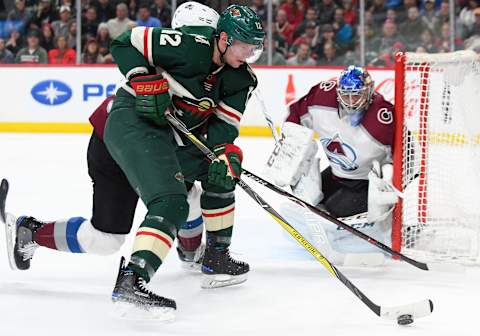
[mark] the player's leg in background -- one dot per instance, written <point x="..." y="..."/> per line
<point x="189" y="244"/>
<point x="114" y="203"/>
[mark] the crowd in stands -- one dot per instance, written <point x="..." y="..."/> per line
<point x="305" y="32"/>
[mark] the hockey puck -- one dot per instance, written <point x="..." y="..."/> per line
<point x="405" y="319"/>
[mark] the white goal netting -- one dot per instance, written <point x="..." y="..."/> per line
<point x="440" y="162"/>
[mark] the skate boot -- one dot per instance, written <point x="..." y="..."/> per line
<point x="20" y="243"/>
<point x="133" y="300"/>
<point x="191" y="260"/>
<point x="221" y="270"/>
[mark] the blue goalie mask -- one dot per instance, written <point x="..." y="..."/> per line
<point x="354" y="91"/>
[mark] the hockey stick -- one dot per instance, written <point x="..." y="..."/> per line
<point x="3" y="198"/>
<point x="444" y="267"/>
<point x="267" y="116"/>
<point x="403" y="314"/>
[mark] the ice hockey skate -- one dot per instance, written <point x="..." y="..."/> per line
<point x="191" y="260"/>
<point x="20" y="244"/>
<point x="220" y="269"/>
<point x="132" y="300"/>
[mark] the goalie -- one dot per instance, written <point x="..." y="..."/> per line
<point x="355" y="128"/>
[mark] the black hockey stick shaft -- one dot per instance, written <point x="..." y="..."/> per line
<point x="279" y="219"/>
<point x="335" y="221"/>
<point x="3" y="199"/>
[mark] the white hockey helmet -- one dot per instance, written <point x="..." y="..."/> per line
<point x="192" y="13"/>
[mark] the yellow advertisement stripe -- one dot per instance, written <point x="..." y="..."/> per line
<point x="20" y="127"/>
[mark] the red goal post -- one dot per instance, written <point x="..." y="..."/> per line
<point x="437" y="156"/>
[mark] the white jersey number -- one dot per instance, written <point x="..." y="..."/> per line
<point x="171" y="37"/>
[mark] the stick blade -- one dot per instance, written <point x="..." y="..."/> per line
<point x="446" y="267"/>
<point x="416" y="310"/>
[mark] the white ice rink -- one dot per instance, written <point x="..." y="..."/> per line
<point x="287" y="293"/>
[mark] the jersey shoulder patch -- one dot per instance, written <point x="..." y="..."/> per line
<point x="379" y="119"/>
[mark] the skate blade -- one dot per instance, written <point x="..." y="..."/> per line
<point x="10" y="234"/>
<point x="222" y="280"/>
<point x="191" y="266"/>
<point x="129" y="311"/>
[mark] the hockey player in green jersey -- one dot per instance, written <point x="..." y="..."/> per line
<point x="201" y="75"/>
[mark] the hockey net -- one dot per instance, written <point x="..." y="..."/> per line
<point x="437" y="156"/>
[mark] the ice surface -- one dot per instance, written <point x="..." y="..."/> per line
<point x="288" y="292"/>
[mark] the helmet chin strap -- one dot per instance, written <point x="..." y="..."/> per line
<point x="222" y="53"/>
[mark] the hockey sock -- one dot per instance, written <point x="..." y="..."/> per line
<point x="190" y="234"/>
<point x="156" y="234"/>
<point x="60" y="235"/>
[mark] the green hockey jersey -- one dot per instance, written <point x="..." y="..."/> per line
<point x="204" y="94"/>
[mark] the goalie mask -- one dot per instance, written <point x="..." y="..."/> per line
<point x="354" y="93"/>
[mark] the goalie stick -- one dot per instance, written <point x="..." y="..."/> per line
<point x="415" y="310"/>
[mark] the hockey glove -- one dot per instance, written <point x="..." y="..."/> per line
<point x="381" y="195"/>
<point x="152" y="97"/>
<point x="225" y="171"/>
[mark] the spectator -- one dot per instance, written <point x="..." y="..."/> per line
<point x="61" y="26"/>
<point x="277" y="57"/>
<point x="89" y="23"/>
<point x="429" y="14"/>
<point x="402" y="12"/>
<point x="132" y="9"/>
<point x="327" y="35"/>
<point x="6" y="56"/>
<point x="61" y="54"/>
<point x="91" y="52"/>
<point x="144" y="18"/>
<point x="32" y="53"/>
<point x="427" y="42"/>
<point x="326" y="11"/>
<point x="379" y="12"/>
<point x="105" y="10"/>
<point x="412" y="28"/>
<point x="284" y="28"/>
<point x="302" y="57"/>
<point x="442" y="16"/>
<point x="44" y="13"/>
<point x="310" y="37"/>
<point x="392" y="15"/>
<point x="19" y="17"/>
<point x="350" y="13"/>
<point x="343" y="32"/>
<point x="466" y="18"/>
<point x="329" y="55"/>
<point x="103" y="39"/>
<point x="47" y="39"/>
<point x="294" y="13"/>
<point x="121" y="23"/>
<point x="474" y="30"/>
<point x="14" y="42"/>
<point x="385" y="45"/>
<point x="162" y="11"/>
<point x="72" y="35"/>
<point x="443" y="41"/>
<point x="259" y="7"/>
<point x="310" y="16"/>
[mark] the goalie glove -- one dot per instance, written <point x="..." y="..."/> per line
<point x="152" y="98"/>
<point x="381" y="195"/>
<point x="226" y="169"/>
